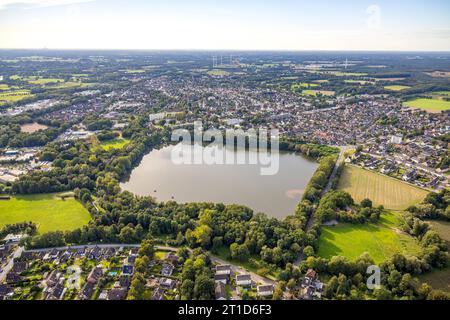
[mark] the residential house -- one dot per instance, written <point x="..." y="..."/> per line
<point x="95" y="274"/>
<point x="87" y="291"/>
<point x="167" y="283"/>
<point x="223" y="278"/>
<point x="172" y="258"/>
<point x="243" y="280"/>
<point x="167" y="269"/>
<point x="223" y="269"/>
<point x="158" y="294"/>
<point x="265" y="290"/>
<point x="6" y="292"/>
<point x="127" y="270"/>
<point x="13" y="277"/>
<point x="19" y="267"/>
<point x="220" y="291"/>
<point x="117" y="294"/>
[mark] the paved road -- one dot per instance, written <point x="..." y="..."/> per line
<point x="17" y="253"/>
<point x="257" y="278"/>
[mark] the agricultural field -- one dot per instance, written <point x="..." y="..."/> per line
<point x="44" y="81"/>
<point x="69" y="84"/>
<point x="381" y="240"/>
<point x="48" y="211"/>
<point x="396" y="88"/>
<point x="303" y="85"/>
<point x="118" y="143"/>
<point x="220" y="73"/>
<point x="438" y="280"/>
<point x="441" y="227"/>
<point x="14" y="95"/>
<point x="382" y="190"/>
<point x="430" y="105"/>
<point x="133" y="71"/>
<point x="360" y="82"/>
<point x="32" y="127"/>
<point x="318" y="92"/>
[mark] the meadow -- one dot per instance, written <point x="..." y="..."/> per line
<point x="441" y="227"/>
<point x="219" y="73"/>
<point x="303" y="85"/>
<point x="45" y="80"/>
<point x="382" y="190"/>
<point x="430" y="105"/>
<point x="117" y="143"/>
<point x="318" y="92"/>
<point x="14" y="96"/>
<point x="48" y="211"/>
<point x="438" y="280"/>
<point x="396" y="88"/>
<point x="381" y="240"/>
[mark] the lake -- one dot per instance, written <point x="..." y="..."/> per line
<point x="276" y="195"/>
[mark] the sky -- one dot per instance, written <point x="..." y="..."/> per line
<point x="397" y="25"/>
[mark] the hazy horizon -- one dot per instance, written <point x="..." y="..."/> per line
<point x="286" y="25"/>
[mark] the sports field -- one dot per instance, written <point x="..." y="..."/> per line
<point x="430" y="105"/>
<point x="381" y="240"/>
<point x="382" y="190"/>
<point x="48" y="211"/>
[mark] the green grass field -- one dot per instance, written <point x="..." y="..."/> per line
<point x="380" y="240"/>
<point x="118" y="143"/>
<point x="48" y="211"/>
<point x="303" y="85"/>
<point x="382" y="190"/>
<point x="396" y="88"/>
<point x="317" y="92"/>
<point x="220" y="73"/>
<point x="132" y="71"/>
<point x="14" y="96"/>
<point x="360" y="82"/>
<point x="45" y="81"/>
<point x="430" y="105"/>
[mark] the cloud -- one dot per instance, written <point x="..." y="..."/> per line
<point x="4" y="4"/>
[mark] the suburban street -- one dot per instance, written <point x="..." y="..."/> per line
<point x="236" y="269"/>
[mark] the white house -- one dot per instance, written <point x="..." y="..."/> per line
<point x="265" y="290"/>
<point x="243" y="280"/>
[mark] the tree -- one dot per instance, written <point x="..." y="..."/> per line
<point x="366" y="203"/>
<point x="187" y="289"/>
<point x="147" y="248"/>
<point x="202" y="234"/>
<point x="141" y="264"/>
<point x="127" y="235"/>
<point x="278" y="293"/>
<point x="239" y="252"/>
<point x="204" y="288"/>
<point x="137" y="288"/>
<point x="291" y="284"/>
